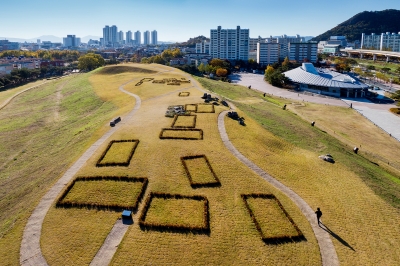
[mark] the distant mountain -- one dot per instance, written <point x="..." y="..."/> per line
<point x="42" y="38"/>
<point x="192" y="41"/>
<point x="365" y="22"/>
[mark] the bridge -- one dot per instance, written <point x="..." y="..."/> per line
<point x="373" y="53"/>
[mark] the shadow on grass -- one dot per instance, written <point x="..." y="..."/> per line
<point x="180" y="230"/>
<point x="341" y="240"/>
<point x="284" y="240"/>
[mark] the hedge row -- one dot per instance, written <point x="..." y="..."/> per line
<point x="110" y="207"/>
<point x="217" y="183"/>
<point x="181" y="129"/>
<point x="212" y="107"/>
<point x="184" y="94"/>
<point x="273" y="240"/>
<point x="174" y="227"/>
<point x="126" y="163"/>
<point x="191" y="126"/>
<point x="143" y="80"/>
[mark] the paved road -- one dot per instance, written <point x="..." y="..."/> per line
<point x="378" y="114"/>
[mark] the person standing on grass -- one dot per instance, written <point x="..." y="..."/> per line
<point x="319" y="214"/>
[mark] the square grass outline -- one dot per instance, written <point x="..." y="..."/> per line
<point x="217" y="183"/>
<point x="205" y="229"/>
<point x="181" y="129"/>
<point x="191" y="126"/>
<point x="273" y="240"/>
<point x="213" y="108"/>
<point x="114" y="207"/>
<point x="195" y="107"/>
<point x="126" y="163"/>
<point x="184" y="94"/>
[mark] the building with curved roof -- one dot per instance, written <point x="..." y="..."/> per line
<point x="327" y="82"/>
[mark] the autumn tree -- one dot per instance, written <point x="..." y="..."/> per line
<point x="221" y="72"/>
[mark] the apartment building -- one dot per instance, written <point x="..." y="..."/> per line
<point x="128" y="37"/>
<point x="303" y="51"/>
<point x="7" y="45"/>
<point x="154" y="39"/>
<point x="138" y="38"/>
<point x="203" y="47"/>
<point x="384" y="42"/>
<point x="267" y="53"/>
<point x="231" y="44"/>
<point x="146" y="37"/>
<point x="9" y="64"/>
<point x="71" y="41"/>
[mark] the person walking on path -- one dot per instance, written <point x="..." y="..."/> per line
<point x="319" y="214"/>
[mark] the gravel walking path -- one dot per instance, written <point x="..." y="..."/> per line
<point x="327" y="250"/>
<point x="30" y="251"/>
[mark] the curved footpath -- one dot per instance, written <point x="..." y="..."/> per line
<point x="30" y="251"/>
<point x="327" y="250"/>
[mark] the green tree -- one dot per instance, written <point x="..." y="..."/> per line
<point x="90" y="61"/>
<point x="269" y="70"/>
<point x="201" y="68"/>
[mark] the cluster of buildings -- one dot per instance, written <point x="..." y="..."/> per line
<point x="383" y="42"/>
<point x="114" y="38"/>
<point x="236" y="44"/>
<point x="8" y="64"/>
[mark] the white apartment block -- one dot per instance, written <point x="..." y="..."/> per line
<point x="267" y="53"/>
<point x="121" y="37"/>
<point x="154" y="39"/>
<point x="384" y="42"/>
<point x="231" y="44"/>
<point x="203" y="47"/>
<point x="303" y="50"/>
<point x="110" y="35"/>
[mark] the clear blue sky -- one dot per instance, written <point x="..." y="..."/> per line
<point x="178" y="20"/>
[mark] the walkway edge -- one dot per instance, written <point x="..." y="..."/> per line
<point x="327" y="249"/>
<point x="30" y="251"/>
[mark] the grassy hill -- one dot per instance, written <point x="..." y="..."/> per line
<point x="365" y="22"/>
<point x="358" y="197"/>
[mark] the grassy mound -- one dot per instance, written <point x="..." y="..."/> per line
<point x="113" y="70"/>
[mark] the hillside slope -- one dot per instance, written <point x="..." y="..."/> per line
<point x="365" y="22"/>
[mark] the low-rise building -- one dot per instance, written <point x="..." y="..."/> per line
<point x="9" y="64"/>
<point x="327" y="82"/>
<point x="7" y="45"/>
<point x="203" y="47"/>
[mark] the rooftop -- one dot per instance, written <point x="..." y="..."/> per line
<point x="308" y="74"/>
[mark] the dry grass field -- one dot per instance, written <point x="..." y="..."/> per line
<point x="272" y="220"/>
<point x="176" y="133"/>
<point x="118" y="153"/>
<point x="184" y="121"/>
<point x="184" y="213"/>
<point x="104" y="192"/>
<point x="205" y="108"/>
<point x="199" y="171"/>
<point x="233" y="238"/>
<point x="353" y="129"/>
<point x="356" y="207"/>
<point x="191" y="107"/>
<point x="361" y="221"/>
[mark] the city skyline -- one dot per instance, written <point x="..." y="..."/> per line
<point x="262" y="17"/>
